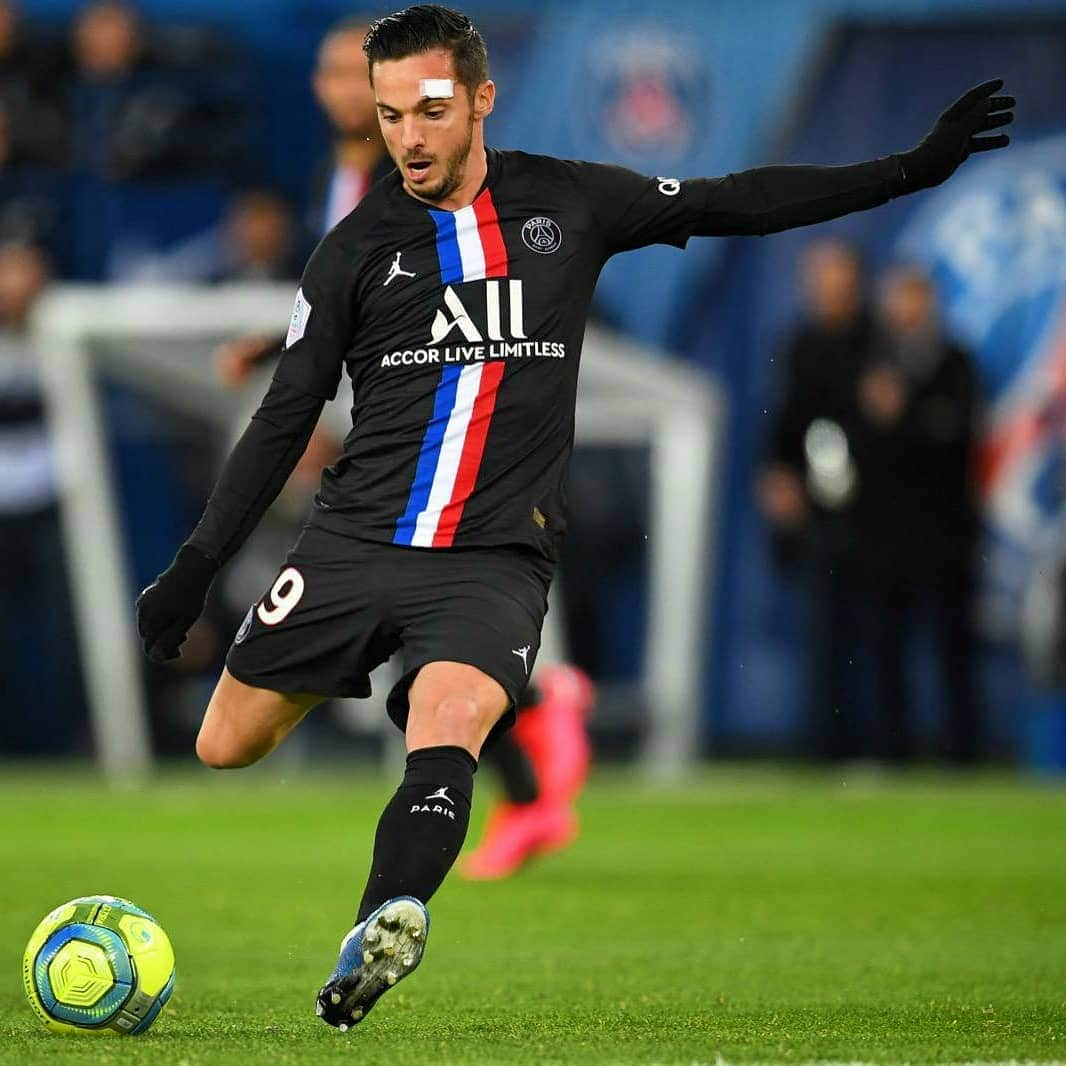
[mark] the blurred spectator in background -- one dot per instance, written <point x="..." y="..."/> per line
<point x="110" y="72"/>
<point x="108" y="42"/>
<point x="34" y="134"/>
<point x="33" y="131"/>
<point x="357" y="159"/>
<point x="38" y="647"/>
<point x="918" y="515"/>
<point x="808" y="484"/>
<point x="869" y="480"/>
<point x="152" y="105"/>
<point x="259" y="239"/>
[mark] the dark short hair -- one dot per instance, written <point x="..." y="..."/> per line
<point x="424" y="27"/>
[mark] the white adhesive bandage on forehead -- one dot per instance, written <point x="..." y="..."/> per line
<point x="437" y="88"/>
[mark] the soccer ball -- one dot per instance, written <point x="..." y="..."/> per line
<point x="98" y="964"/>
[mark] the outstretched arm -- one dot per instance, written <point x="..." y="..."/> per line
<point x="774" y="198"/>
<point x="633" y="211"/>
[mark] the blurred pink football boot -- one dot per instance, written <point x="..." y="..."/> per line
<point x="514" y="834"/>
<point x="552" y="733"/>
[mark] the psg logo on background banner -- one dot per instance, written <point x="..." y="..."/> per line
<point x="647" y="90"/>
<point x="994" y="239"/>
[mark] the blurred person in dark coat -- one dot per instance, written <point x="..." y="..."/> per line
<point x="34" y="130"/>
<point x="44" y="709"/>
<point x="917" y="515"/>
<point x="144" y="100"/>
<point x="869" y="481"/>
<point x="34" y="135"/>
<point x="808" y="482"/>
<point x="110" y="70"/>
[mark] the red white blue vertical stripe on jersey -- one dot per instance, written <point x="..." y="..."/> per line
<point x="469" y="242"/>
<point x="469" y="248"/>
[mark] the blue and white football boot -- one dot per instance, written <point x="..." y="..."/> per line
<point x="375" y="955"/>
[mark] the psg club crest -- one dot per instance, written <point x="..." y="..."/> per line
<point x="646" y="88"/>
<point x="542" y="235"/>
<point x="994" y="239"/>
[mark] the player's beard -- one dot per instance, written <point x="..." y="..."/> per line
<point x="454" y="170"/>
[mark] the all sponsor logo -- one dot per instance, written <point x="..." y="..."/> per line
<point x="454" y="315"/>
<point x="458" y="335"/>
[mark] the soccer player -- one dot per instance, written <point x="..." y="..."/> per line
<point x="543" y="762"/>
<point x="455" y="297"/>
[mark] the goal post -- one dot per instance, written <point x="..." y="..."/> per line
<point x="629" y="395"/>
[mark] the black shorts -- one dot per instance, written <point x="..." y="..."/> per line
<point x="340" y="607"/>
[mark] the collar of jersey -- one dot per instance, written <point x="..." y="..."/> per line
<point x="492" y="158"/>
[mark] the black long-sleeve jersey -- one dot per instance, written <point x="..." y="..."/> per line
<point x="462" y="334"/>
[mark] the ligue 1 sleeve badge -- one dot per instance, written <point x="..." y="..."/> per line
<point x="246" y="625"/>
<point x="542" y="235"/>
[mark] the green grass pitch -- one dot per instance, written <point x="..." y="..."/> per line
<point x="745" y="916"/>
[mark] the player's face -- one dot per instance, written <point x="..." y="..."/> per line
<point x="342" y="85"/>
<point x="429" y="138"/>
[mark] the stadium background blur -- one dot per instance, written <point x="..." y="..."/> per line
<point x="733" y="913"/>
<point x="140" y="178"/>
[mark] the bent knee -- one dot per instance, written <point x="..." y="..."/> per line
<point x="457" y="720"/>
<point x="221" y="754"/>
<point x="458" y="712"/>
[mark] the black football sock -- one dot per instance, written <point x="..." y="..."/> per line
<point x="422" y="828"/>
<point x="516" y="772"/>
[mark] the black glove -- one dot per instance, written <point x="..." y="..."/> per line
<point x="953" y="138"/>
<point x="170" y="605"/>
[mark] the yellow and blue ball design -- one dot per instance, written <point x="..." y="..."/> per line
<point x="98" y="964"/>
